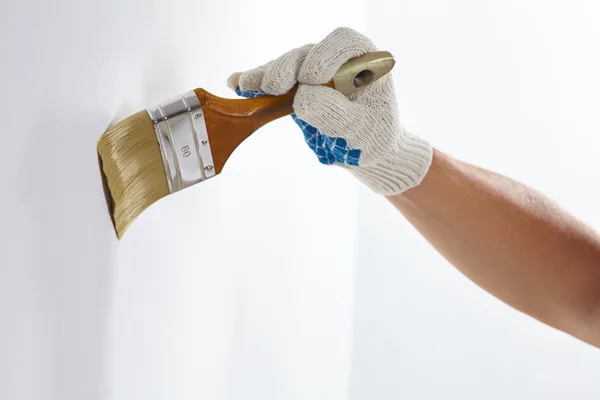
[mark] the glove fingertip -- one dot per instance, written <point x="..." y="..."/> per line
<point x="234" y="80"/>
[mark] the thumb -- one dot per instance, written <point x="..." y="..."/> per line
<point x="328" y="110"/>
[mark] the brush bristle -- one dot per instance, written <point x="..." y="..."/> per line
<point x="133" y="168"/>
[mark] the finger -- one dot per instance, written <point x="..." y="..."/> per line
<point x="328" y="110"/>
<point x="252" y="79"/>
<point x="234" y="80"/>
<point x="282" y="74"/>
<point x="324" y="59"/>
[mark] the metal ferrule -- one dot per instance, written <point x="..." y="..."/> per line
<point x="183" y="140"/>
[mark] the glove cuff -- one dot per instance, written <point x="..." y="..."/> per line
<point x="399" y="170"/>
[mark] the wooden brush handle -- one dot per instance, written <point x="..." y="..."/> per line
<point x="230" y="121"/>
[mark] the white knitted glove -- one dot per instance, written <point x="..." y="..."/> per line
<point x="361" y="133"/>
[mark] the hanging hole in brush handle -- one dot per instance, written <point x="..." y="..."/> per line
<point x="363" y="78"/>
<point x="363" y="70"/>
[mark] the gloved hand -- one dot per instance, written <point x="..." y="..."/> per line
<point x="361" y="133"/>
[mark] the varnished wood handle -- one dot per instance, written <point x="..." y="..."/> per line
<point x="230" y="121"/>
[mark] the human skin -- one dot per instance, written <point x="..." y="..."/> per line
<point x="512" y="241"/>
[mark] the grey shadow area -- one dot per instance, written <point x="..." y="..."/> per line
<point x="77" y="245"/>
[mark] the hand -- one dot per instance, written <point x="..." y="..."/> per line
<point x="361" y="133"/>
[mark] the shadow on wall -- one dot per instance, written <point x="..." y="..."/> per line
<point x="76" y="244"/>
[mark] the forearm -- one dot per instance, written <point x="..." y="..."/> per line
<point x="512" y="241"/>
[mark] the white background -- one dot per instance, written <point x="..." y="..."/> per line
<point x="281" y="278"/>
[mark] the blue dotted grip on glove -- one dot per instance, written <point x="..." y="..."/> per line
<point x="328" y="149"/>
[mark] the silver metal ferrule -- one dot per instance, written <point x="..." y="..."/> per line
<point x="183" y="140"/>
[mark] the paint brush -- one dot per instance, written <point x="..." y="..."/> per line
<point x="188" y="139"/>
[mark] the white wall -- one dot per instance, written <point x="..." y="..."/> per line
<point x="512" y="86"/>
<point x="248" y="298"/>
<point x="239" y="287"/>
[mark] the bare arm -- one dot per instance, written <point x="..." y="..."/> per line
<point x="512" y="241"/>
